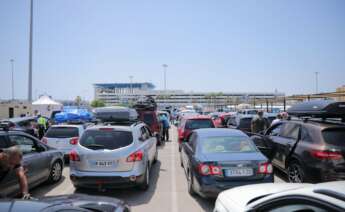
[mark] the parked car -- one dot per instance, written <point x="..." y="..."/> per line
<point x="218" y="159"/>
<point x="64" y="203"/>
<point x="283" y="197"/>
<point x="24" y="124"/>
<point x="240" y="122"/>
<point x="63" y="137"/>
<point x="151" y="119"/>
<point x="190" y="123"/>
<point x="307" y="150"/>
<point x="42" y="162"/>
<point x="111" y="156"/>
<point x="216" y="119"/>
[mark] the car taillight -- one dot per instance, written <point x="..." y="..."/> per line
<point x="326" y="155"/>
<point x="205" y="170"/>
<point x="265" y="168"/>
<point x="74" y="141"/>
<point x="73" y="156"/>
<point x="44" y="140"/>
<point x="136" y="156"/>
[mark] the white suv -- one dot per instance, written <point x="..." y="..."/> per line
<point x="113" y="156"/>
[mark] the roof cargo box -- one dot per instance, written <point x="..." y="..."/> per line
<point x="145" y="103"/>
<point x="115" y="114"/>
<point x="318" y="109"/>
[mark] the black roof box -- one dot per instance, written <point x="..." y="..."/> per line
<point x="115" y="114"/>
<point x="318" y="109"/>
<point x="145" y="103"/>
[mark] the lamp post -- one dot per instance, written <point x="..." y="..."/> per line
<point x="12" y="70"/>
<point x="165" y="66"/>
<point x="30" y="53"/>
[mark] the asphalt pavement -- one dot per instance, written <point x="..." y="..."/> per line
<point x="167" y="192"/>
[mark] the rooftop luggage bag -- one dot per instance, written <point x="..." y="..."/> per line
<point x="115" y="114"/>
<point x="145" y="103"/>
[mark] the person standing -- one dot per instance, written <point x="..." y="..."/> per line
<point x="278" y="119"/>
<point x="42" y="126"/>
<point x="259" y="123"/>
<point x="10" y="160"/>
<point x="166" y="126"/>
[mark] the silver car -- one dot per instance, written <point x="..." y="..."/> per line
<point x="113" y="157"/>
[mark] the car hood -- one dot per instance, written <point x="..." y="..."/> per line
<point x="243" y="195"/>
<point x="252" y="156"/>
<point x="86" y="201"/>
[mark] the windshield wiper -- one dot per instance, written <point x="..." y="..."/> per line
<point x="95" y="146"/>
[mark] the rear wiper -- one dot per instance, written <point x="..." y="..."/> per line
<point x="95" y="145"/>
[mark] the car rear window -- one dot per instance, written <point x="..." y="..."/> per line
<point x="106" y="139"/>
<point x="199" y="124"/>
<point x="62" y="132"/>
<point x="148" y="119"/>
<point x="245" y="123"/>
<point x="334" y="136"/>
<point x="227" y="144"/>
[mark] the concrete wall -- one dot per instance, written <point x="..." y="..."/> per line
<point x="19" y="108"/>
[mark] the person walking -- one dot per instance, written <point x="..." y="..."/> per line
<point x="10" y="160"/>
<point x="166" y="126"/>
<point x="42" y="126"/>
<point x="278" y="119"/>
<point x="259" y="123"/>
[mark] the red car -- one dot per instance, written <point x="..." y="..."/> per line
<point x="188" y="124"/>
<point x="150" y="118"/>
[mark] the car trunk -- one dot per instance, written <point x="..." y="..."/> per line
<point x="334" y="137"/>
<point x="60" y="137"/>
<point x="237" y="166"/>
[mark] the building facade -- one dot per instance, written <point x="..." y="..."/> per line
<point x="124" y="93"/>
<point x="14" y="108"/>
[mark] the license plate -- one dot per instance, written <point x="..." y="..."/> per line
<point x="104" y="163"/>
<point x="241" y="172"/>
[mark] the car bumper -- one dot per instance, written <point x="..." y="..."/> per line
<point x="107" y="180"/>
<point x="211" y="188"/>
<point x="325" y="173"/>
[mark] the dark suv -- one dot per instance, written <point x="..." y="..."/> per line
<point x="307" y="151"/>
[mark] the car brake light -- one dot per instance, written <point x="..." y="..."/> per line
<point x="205" y="170"/>
<point x="326" y="155"/>
<point x="74" y="141"/>
<point x="44" y="140"/>
<point x="136" y="156"/>
<point x="73" y="156"/>
<point x="265" y="168"/>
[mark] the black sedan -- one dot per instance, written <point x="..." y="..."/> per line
<point x="42" y="163"/>
<point x="74" y="202"/>
<point x="218" y="159"/>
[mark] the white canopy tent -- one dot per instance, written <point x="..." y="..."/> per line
<point x="45" y="106"/>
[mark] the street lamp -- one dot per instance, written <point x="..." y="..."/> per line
<point x="165" y="66"/>
<point x="30" y="53"/>
<point x="317" y="82"/>
<point x="12" y="69"/>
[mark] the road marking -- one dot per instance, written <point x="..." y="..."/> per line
<point x="174" y="200"/>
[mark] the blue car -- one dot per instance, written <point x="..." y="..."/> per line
<point x="217" y="159"/>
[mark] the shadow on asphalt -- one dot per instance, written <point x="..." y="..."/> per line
<point x="42" y="189"/>
<point x="206" y="204"/>
<point x="133" y="196"/>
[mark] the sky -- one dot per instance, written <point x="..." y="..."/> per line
<point x="209" y="45"/>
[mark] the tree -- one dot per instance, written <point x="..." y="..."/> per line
<point x="78" y="100"/>
<point x="97" y="103"/>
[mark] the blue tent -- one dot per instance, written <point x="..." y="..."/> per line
<point x="73" y="114"/>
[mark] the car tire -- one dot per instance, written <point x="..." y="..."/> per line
<point x="55" y="172"/>
<point x="181" y="162"/>
<point x="146" y="184"/>
<point x="190" y="183"/>
<point x="295" y="172"/>
<point x="156" y="157"/>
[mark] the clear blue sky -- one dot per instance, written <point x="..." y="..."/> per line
<point x="222" y="45"/>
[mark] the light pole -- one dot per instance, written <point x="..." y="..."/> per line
<point x="12" y="69"/>
<point x="165" y="66"/>
<point x="131" y="84"/>
<point x="30" y="53"/>
<point x="317" y="82"/>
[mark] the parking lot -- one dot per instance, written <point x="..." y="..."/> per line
<point x="168" y="189"/>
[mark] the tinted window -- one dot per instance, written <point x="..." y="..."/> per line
<point x="25" y="144"/>
<point x="276" y="130"/>
<point x="99" y="139"/>
<point x="245" y="123"/>
<point x="305" y="135"/>
<point x="62" y="132"/>
<point x="2" y="142"/>
<point x="148" y="119"/>
<point x="290" y="130"/>
<point x="227" y="144"/>
<point x="199" y="123"/>
<point x="334" y="136"/>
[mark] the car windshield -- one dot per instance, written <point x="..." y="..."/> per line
<point x="199" y="124"/>
<point x="62" y="132"/>
<point x="227" y="144"/>
<point x="99" y="139"/>
<point x="334" y="136"/>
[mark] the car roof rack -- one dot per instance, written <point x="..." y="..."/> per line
<point x="119" y="123"/>
<point x="322" y="109"/>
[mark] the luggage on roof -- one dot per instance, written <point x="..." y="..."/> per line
<point x="318" y="109"/>
<point x="115" y="114"/>
<point x="145" y="103"/>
